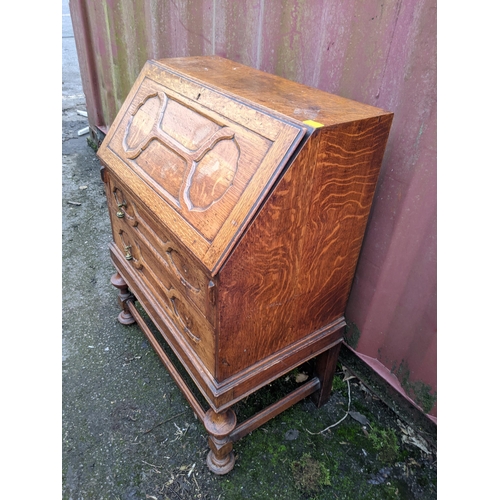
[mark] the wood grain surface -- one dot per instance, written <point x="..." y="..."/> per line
<point x="197" y="158"/>
<point x="237" y="226"/>
<point x="291" y="99"/>
<point x="292" y="271"/>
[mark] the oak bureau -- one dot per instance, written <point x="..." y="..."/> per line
<point x="238" y="204"/>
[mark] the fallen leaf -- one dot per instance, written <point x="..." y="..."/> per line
<point x="366" y="390"/>
<point x="301" y="377"/>
<point x="411" y="437"/>
<point x="347" y="374"/>
<point x="416" y="441"/>
<point x="359" y="418"/>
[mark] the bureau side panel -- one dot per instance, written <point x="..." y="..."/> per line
<point x="345" y="177"/>
<point x="258" y="289"/>
<point x="291" y="272"/>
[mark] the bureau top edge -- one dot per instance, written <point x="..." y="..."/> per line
<point x="296" y="101"/>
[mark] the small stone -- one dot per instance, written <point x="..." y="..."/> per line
<point x="291" y="435"/>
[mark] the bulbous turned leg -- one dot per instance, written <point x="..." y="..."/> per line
<point x="220" y="459"/>
<point x="125" y="318"/>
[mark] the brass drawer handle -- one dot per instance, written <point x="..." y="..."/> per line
<point x="120" y="214"/>
<point x="128" y="253"/>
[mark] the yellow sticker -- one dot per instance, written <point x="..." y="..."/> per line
<point x="314" y="124"/>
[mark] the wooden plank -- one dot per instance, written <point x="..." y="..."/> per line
<point x="200" y="412"/>
<point x="271" y="411"/>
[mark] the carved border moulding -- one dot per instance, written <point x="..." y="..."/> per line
<point x="219" y="177"/>
<point x="177" y="272"/>
<point x="167" y="247"/>
<point x="185" y="327"/>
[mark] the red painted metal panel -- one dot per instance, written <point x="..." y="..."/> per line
<point x="378" y="52"/>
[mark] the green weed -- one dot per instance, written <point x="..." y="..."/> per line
<point x="385" y="443"/>
<point x="310" y="475"/>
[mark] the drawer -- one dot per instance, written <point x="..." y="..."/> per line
<point x="176" y="263"/>
<point x="191" y="327"/>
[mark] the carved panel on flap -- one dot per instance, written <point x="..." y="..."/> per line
<point x="186" y="160"/>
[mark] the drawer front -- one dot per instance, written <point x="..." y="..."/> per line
<point x="191" y="326"/>
<point x="174" y="261"/>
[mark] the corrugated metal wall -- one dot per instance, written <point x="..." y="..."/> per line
<point x="378" y="52"/>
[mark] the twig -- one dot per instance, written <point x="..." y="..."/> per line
<point x="164" y="422"/>
<point x="180" y="432"/>
<point x="74" y="203"/>
<point x="152" y="465"/>
<point x="155" y="467"/>
<point x="197" y="485"/>
<point x="342" y="419"/>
